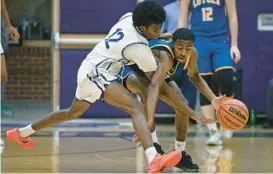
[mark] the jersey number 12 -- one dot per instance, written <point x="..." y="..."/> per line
<point x="207" y="14"/>
<point x="115" y="37"/>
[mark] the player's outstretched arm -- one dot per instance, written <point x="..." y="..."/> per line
<point x="201" y="84"/>
<point x="155" y="71"/>
<point x="157" y="82"/>
<point x="197" y="80"/>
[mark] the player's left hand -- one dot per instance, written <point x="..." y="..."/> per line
<point x="136" y="140"/>
<point x="235" y="54"/>
<point x="217" y="101"/>
<point x="205" y="121"/>
<point x="166" y="35"/>
<point x="14" y="33"/>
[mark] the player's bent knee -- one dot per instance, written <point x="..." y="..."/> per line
<point x="225" y="81"/>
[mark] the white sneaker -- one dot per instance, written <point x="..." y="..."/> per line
<point x="2" y="142"/>
<point x="214" y="151"/>
<point x="226" y="134"/>
<point x="214" y="140"/>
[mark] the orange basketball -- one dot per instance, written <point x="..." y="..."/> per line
<point x="232" y="115"/>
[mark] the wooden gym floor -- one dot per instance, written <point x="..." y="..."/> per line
<point x="107" y="148"/>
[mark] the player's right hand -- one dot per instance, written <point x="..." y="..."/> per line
<point x="14" y="33"/>
<point x="205" y="121"/>
<point x="235" y="54"/>
<point x="136" y="140"/>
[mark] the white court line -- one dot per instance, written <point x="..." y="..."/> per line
<point x="140" y="168"/>
<point x="55" y="150"/>
<point x="112" y="161"/>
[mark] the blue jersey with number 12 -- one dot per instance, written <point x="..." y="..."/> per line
<point x="208" y="17"/>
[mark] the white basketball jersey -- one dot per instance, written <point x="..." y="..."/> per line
<point x="108" y="54"/>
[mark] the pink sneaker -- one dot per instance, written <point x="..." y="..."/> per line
<point x="14" y="136"/>
<point x="167" y="161"/>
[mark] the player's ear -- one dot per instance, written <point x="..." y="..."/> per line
<point x="142" y="28"/>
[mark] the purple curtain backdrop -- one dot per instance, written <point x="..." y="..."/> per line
<point x="92" y="16"/>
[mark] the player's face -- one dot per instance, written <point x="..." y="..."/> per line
<point x="182" y="49"/>
<point x="152" y="31"/>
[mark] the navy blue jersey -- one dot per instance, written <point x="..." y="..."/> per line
<point x="208" y="17"/>
<point x="168" y="45"/>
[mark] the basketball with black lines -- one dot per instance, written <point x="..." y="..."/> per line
<point x="233" y="115"/>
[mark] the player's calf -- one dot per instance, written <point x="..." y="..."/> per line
<point x="181" y="125"/>
<point x="21" y="135"/>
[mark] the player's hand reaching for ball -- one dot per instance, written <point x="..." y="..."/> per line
<point x="204" y="120"/>
<point x="136" y="140"/>
<point x="217" y="101"/>
<point x="235" y="54"/>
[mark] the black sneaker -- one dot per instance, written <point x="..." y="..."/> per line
<point x="159" y="149"/>
<point x="186" y="163"/>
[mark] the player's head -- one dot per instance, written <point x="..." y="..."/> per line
<point x="183" y="40"/>
<point x="148" y="17"/>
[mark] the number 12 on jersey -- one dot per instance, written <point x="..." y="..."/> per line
<point x="115" y="37"/>
<point x="207" y="14"/>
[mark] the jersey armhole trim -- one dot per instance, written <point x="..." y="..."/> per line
<point x="165" y="46"/>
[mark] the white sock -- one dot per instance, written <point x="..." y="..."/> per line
<point x="150" y="153"/>
<point x="154" y="137"/>
<point x="180" y="145"/>
<point x="212" y="127"/>
<point x="26" y="131"/>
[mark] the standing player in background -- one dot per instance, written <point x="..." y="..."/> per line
<point x="210" y="21"/>
<point x="15" y="36"/>
<point x="172" y="17"/>
<point x="126" y="44"/>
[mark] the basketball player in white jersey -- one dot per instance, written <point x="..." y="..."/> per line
<point x="126" y="44"/>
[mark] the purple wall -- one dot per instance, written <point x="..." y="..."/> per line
<point x="92" y="16"/>
<point x="256" y="47"/>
